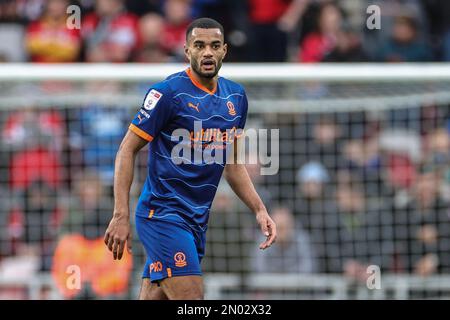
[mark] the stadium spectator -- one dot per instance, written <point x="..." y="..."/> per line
<point x="437" y="148"/>
<point x="30" y="9"/>
<point x="313" y="176"/>
<point x="101" y="277"/>
<point x="177" y="14"/>
<point x="354" y="154"/>
<point x="95" y="132"/>
<point x="49" y="40"/>
<point x="35" y="139"/>
<point x="323" y="40"/>
<point x="348" y="48"/>
<point x="326" y="143"/>
<point x="226" y="223"/>
<point x="208" y="8"/>
<point x="447" y="46"/>
<point x="362" y="233"/>
<point x="311" y="203"/>
<point x="390" y="10"/>
<point x="36" y="219"/>
<point x="438" y="156"/>
<point x="89" y="207"/>
<point x="422" y="227"/>
<point x="270" y="21"/>
<point x="84" y="225"/>
<point x="439" y="27"/>
<point x="5" y="243"/>
<point x="28" y="127"/>
<point x="110" y="33"/>
<point x="404" y="44"/>
<point x="12" y="30"/>
<point x="143" y="7"/>
<point x="293" y="253"/>
<point x="362" y="158"/>
<point x="401" y="152"/>
<point x="20" y="10"/>
<point x="284" y="123"/>
<point x="9" y="11"/>
<point x="432" y="116"/>
<point x="151" y="50"/>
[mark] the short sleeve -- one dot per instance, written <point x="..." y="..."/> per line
<point x="244" y="106"/>
<point x="155" y="113"/>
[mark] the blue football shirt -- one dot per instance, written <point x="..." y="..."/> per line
<point x="209" y="121"/>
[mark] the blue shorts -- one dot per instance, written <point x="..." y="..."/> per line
<point x="173" y="249"/>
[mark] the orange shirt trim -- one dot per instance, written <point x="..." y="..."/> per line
<point x="198" y="84"/>
<point x="141" y="133"/>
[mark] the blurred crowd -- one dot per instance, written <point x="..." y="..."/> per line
<point x="56" y="195"/>
<point x="354" y="188"/>
<point x="153" y="31"/>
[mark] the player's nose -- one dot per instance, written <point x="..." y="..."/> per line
<point x="207" y="53"/>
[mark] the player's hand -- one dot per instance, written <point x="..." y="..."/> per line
<point x="118" y="232"/>
<point x="268" y="228"/>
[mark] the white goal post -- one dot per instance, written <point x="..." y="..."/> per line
<point x="269" y="72"/>
<point x="349" y="87"/>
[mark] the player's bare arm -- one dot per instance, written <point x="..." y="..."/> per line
<point x="119" y="231"/>
<point x="239" y="180"/>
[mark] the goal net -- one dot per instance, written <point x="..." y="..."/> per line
<point x="359" y="191"/>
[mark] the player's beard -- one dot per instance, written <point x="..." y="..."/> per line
<point x="208" y="75"/>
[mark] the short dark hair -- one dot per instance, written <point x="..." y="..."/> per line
<point x="203" y="23"/>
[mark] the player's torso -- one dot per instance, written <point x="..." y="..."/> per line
<point x="215" y="113"/>
<point x="184" y="172"/>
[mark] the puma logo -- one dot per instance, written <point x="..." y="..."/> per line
<point x="140" y="119"/>
<point x="194" y="106"/>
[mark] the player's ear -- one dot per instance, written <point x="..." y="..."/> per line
<point x="186" y="51"/>
<point x="225" y="50"/>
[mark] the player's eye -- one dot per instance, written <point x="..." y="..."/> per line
<point x="216" y="46"/>
<point x="198" y="45"/>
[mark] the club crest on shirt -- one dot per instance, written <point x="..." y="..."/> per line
<point x="231" y="109"/>
<point x="152" y="99"/>
<point x="180" y="259"/>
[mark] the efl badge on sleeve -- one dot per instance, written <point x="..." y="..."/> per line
<point x="152" y="99"/>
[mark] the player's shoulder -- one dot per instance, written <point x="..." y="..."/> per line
<point x="171" y="84"/>
<point x="232" y="86"/>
